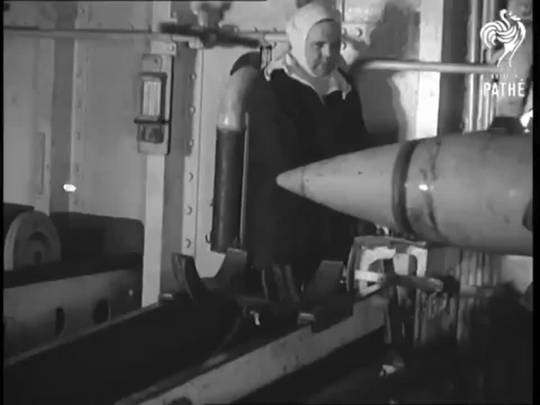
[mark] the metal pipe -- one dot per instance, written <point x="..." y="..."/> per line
<point x="481" y="103"/>
<point x="487" y="5"/>
<point x="482" y="99"/>
<point x="489" y="102"/>
<point x="245" y="38"/>
<point x="243" y="198"/>
<point x="211" y="36"/>
<point x="230" y="143"/>
<point x="487" y="106"/>
<point x="455" y="68"/>
<point x="87" y="33"/>
<point x="473" y="30"/>
<point x="186" y="34"/>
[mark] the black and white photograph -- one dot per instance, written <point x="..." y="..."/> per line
<point x="268" y="201"/>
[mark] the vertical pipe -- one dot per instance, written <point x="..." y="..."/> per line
<point x="155" y="184"/>
<point x="242" y="236"/>
<point x="490" y="108"/>
<point x="230" y="143"/>
<point x="472" y="103"/>
<point x="472" y="57"/>
<point x="227" y="189"/>
<point x="481" y="103"/>
<point x="483" y="121"/>
<point x="482" y="99"/>
<point x="485" y="102"/>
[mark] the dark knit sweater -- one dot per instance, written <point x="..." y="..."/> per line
<point x="291" y="126"/>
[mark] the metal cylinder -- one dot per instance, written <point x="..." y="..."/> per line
<point x="473" y="30"/>
<point x="227" y="189"/>
<point x="229" y="167"/>
<point x="413" y="65"/>
<point x="470" y="191"/>
<point x="486" y="105"/>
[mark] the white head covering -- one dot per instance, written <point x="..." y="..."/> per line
<point x="294" y="62"/>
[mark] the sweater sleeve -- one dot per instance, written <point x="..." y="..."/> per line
<point x="359" y="137"/>
<point x="355" y="133"/>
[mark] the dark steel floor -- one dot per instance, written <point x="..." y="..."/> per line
<point x="496" y="367"/>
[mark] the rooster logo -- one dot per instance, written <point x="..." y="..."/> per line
<point x="509" y="31"/>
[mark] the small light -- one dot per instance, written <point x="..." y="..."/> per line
<point x="69" y="188"/>
<point x="526" y="118"/>
<point x="256" y="317"/>
<point x="423" y="187"/>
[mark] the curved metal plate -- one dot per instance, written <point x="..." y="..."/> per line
<point x="31" y="239"/>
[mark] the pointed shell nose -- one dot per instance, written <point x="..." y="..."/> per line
<point x="293" y="181"/>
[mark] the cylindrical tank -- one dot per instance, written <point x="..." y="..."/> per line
<point x="227" y="189"/>
<point x="229" y="168"/>
<point x="472" y="190"/>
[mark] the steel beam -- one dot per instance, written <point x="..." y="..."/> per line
<point x="58" y="300"/>
<point x="125" y="355"/>
<point x="226" y="378"/>
<point x="155" y="184"/>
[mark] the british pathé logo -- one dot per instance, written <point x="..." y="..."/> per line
<point x="509" y="31"/>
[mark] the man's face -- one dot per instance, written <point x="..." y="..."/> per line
<point x="323" y="45"/>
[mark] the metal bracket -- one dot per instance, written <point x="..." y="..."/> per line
<point x="164" y="48"/>
<point x="230" y="278"/>
<point x="195" y="43"/>
<point x="381" y="262"/>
